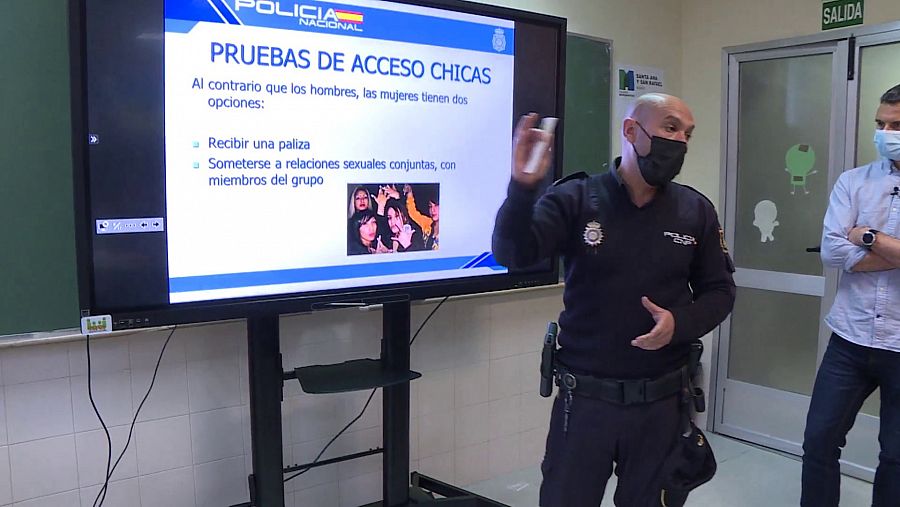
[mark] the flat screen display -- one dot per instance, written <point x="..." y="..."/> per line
<point x="233" y="154"/>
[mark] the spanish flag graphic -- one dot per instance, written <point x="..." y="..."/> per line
<point x="349" y="16"/>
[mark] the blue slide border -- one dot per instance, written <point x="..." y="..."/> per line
<point x="183" y="15"/>
<point x="283" y="276"/>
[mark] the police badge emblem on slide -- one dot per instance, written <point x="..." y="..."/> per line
<point x="593" y="234"/>
<point x="499" y="40"/>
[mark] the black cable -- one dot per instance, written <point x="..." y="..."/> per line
<point x="361" y="412"/>
<point x="87" y="342"/>
<point x="101" y="495"/>
<point x="339" y="433"/>
<point x="427" y="319"/>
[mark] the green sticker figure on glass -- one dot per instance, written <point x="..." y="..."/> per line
<point x="800" y="159"/>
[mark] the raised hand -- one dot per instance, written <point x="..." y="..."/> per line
<point x="392" y="192"/>
<point x="526" y="136"/>
<point x="379" y="246"/>
<point x="404" y="238"/>
<point x="381" y="199"/>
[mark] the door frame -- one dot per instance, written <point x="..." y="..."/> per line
<point x="767" y="427"/>
<point x="842" y="139"/>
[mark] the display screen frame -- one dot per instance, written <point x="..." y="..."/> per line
<point x="165" y="313"/>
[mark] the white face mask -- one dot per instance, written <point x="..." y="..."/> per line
<point x="887" y="142"/>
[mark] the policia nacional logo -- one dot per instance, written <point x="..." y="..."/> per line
<point x="593" y="234"/>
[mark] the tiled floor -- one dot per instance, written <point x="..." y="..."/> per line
<point x="747" y="477"/>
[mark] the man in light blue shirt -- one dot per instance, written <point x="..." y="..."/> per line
<point x="861" y="237"/>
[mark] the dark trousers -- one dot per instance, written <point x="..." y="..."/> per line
<point x="578" y="462"/>
<point x="848" y="375"/>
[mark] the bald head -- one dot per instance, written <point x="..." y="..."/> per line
<point x="649" y="103"/>
<point x="660" y="115"/>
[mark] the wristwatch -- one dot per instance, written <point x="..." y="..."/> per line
<point x="868" y="238"/>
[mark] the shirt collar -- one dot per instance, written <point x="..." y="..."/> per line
<point x="615" y="171"/>
<point x="887" y="165"/>
<point x="618" y="177"/>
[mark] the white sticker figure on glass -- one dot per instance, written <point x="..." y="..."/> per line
<point x="764" y="215"/>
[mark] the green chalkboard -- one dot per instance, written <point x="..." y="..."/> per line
<point x="586" y="141"/>
<point x="37" y="257"/>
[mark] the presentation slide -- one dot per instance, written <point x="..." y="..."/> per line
<point x="324" y="146"/>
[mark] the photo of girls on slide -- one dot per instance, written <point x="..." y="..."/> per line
<point x="381" y="219"/>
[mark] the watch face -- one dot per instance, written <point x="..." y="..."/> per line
<point x="868" y="238"/>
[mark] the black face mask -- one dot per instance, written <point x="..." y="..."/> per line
<point x="664" y="161"/>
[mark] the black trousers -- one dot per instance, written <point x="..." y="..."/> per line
<point x="635" y="438"/>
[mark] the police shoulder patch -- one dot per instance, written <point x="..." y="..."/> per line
<point x="574" y="176"/>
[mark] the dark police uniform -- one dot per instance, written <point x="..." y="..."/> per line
<point x="672" y="251"/>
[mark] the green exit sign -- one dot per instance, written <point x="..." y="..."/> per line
<point x="842" y="13"/>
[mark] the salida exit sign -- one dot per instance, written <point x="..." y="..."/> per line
<point x="842" y="13"/>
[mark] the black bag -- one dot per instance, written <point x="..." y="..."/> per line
<point x="689" y="464"/>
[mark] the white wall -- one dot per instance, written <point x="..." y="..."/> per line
<point x="643" y="32"/>
<point x="475" y="413"/>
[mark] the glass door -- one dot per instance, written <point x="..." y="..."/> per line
<point x="786" y="124"/>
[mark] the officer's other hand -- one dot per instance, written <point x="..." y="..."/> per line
<point x="662" y="332"/>
<point x="856" y="234"/>
<point x="526" y="136"/>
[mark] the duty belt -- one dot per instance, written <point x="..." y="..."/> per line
<point x="623" y="392"/>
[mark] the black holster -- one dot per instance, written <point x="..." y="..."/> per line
<point x="548" y="359"/>
<point x="694" y="395"/>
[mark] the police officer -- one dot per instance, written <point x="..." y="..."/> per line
<point x="646" y="273"/>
